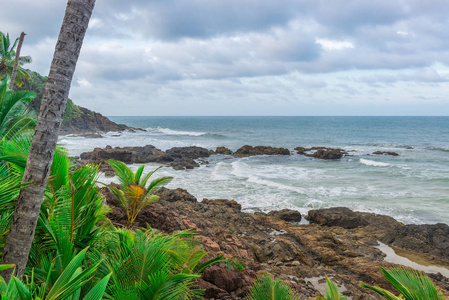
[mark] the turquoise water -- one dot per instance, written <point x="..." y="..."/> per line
<point x="413" y="188"/>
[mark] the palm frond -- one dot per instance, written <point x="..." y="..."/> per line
<point x="265" y="287"/>
<point x="412" y="284"/>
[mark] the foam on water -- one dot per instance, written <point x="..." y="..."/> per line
<point x="169" y="131"/>
<point x="373" y="163"/>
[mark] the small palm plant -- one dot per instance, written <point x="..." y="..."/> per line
<point x="133" y="193"/>
<point x="266" y="287"/>
<point x="412" y="284"/>
<point x="332" y="292"/>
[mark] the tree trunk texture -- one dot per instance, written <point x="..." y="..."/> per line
<point x="23" y="225"/>
<point x="16" y="61"/>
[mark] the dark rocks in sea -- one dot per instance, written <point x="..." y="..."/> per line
<point x="295" y="253"/>
<point x="386" y="153"/>
<point x="192" y="152"/>
<point x="179" y="158"/>
<point x="288" y="215"/>
<point x="223" y="150"/>
<point x="260" y="150"/>
<point x="128" y="155"/>
<point x="321" y="152"/>
<point x="184" y="157"/>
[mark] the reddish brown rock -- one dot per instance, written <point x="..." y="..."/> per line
<point x="295" y="253"/>
<point x="223" y="202"/>
<point x="288" y="215"/>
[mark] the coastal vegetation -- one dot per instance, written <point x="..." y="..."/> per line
<point x="56" y="239"/>
<point x="133" y="193"/>
<point x="8" y="60"/>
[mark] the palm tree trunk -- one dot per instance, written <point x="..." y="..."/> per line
<point x="23" y="225"/>
<point x="16" y="61"/>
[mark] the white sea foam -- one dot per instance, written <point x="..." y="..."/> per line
<point x="169" y="131"/>
<point x="276" y="185"/>
<point x="373" y="163"/>
<point x="220" y="171"/>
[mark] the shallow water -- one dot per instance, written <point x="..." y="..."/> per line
<point x="413" y="187"/>
<point x="422" y="264"/>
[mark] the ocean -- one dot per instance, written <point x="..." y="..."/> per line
<point x="412" y="187"/>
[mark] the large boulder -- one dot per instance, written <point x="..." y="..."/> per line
<point x="432" y="240"/>
<point x="260" y="150"/>
<point x="346" y="218"/>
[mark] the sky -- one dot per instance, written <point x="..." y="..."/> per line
<point x="249" y="57"/>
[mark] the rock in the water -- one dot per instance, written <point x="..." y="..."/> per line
<point x="386" y="153"/>
<point x="175" y="195"/>
<point x="128" y="155"/>
<point x="180" y="158"/>
<point x="322" y="152"/>
<point x="223" y="202"/>
<point x="192" y="152"/>
<point x="223" y="150"/>
<point x="328" y="154"/>
<point x="288" y="215"/>
<point x="260" y="150"/>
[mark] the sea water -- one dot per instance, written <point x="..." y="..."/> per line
<point x="412" y="187"/>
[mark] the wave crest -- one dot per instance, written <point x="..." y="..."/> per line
<point x="373" y="163"/>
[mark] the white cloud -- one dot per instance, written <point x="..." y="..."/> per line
<point x="83" y="82"/>
<point x="334" y="45"/>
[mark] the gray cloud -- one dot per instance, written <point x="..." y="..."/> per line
<point x="203" y="52"/>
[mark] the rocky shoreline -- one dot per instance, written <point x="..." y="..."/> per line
<point x="338" y="242"/>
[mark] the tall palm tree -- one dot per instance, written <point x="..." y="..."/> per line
<point x="8" y="60"/>
<point x="16" y="61"/>
<point x="23" y="225"/>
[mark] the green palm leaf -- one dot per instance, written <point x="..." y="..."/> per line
<point x="265" y="287"/>
<point x="132" y="194"/>
<point x="412" y="284"/>
<point x="332" y="292"/>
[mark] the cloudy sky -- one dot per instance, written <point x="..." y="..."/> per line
<point x="250" y="57"/>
